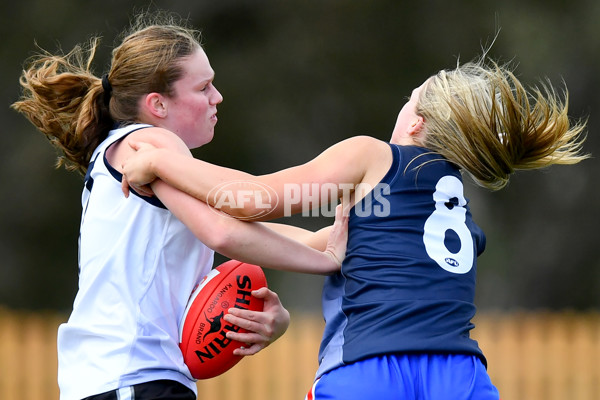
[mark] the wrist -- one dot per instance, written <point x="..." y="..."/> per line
<point x="333" y="261"/>
<point x="156" y="160"/>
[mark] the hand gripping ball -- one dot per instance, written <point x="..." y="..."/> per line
<point x="202" y="333"/>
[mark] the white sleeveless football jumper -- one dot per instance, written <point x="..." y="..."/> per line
<point x="138" y="265"/>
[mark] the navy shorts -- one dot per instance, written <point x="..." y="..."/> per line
<point x="155" y="390"/>
<point x="407" y="376"/>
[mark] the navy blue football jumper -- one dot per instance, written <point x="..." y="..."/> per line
<point x="407" y="283"/>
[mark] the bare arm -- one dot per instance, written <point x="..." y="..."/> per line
<point x="220" y="233"/>
<point x="317" y="240"/>
<point x="262" y="326"/>
<point x="331" y="175"/>
<point x="246" y="241"/>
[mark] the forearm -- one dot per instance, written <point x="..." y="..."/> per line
<point x="245" y="241"/>
<point x="323" y="180"/>
<point x="317" y="240"/>
<point x="257" y="244"/>
<point x="195" y="177"/>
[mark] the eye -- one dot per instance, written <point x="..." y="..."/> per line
<point x="204" y="87"/>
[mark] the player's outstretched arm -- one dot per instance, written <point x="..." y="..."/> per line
<point x="251" y="242"/>
<point x="339" y="169"/>
<point x="267" y="326"/>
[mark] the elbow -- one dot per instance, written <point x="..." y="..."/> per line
<point x="252" y="213"/>
<point x="246" y="213"/>
<point x="222" y="238"/>
<point x="224" y="246"/>
<point x="252" y="202"/>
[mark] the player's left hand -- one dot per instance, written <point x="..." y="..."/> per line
<point x="338" y="236"/>
<point x="137" y="169"/>
<point x="264" y="326"/>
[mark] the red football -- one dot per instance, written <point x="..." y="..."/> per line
<point x="206" y="350"/>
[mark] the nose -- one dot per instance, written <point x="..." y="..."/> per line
<point x="216" y="97"/>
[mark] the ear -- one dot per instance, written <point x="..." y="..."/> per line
<point x="416" y="126"/>
<point x="156" y="104"/>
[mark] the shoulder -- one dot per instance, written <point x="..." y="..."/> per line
<point x="366" y="158"/>
<point x="156" y="136"/>
<point x="361" y="151"/>
<point x="362" y="148"/>
<point x="356" y="151"/>
<point x="363" y="141"/>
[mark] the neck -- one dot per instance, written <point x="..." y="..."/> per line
<point x="404" y="141"/>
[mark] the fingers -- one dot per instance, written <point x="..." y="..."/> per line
<point x="125" y="186"/>
<point x="338" y="237"/>
<point x="346" y="207"/>
<point x="258" y="328"/>
<point x="141" y="146"/>
<point x="342" y="212"/>
<point x="134" y="145"/>
<point x="256" y="339"/>
<point x="253" y="321"/>
<point x="141" y="190"/>
<point x="248" y="351"/>
<point x="144" y="190"/>
<point x="263" y="293"/>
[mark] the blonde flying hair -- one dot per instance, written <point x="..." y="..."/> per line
<point x="70" y="105"/>
<point x="481" y="118"/>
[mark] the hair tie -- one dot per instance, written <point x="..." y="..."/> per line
<point x="107" y="89"/>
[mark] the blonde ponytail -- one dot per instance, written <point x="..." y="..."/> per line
<point x="481" y="118"/>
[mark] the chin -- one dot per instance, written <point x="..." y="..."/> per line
<point x="201" y="141"/>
